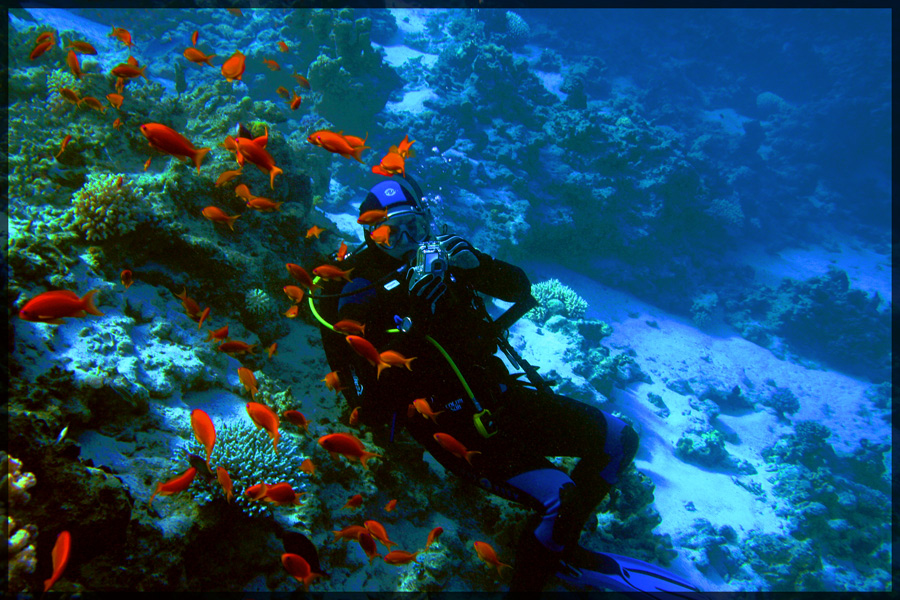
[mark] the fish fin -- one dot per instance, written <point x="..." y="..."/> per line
<point x="90" y="307"/>
<point x="272" y="173"/>
<point x="357" y="152"/>
<point x="198" y="157"/>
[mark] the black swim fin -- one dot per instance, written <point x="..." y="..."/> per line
<point x="636" y="578"/>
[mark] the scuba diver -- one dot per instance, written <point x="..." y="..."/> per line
<point x="418" y="294"/>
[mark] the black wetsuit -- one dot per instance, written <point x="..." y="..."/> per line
<point x="530" y="425"/>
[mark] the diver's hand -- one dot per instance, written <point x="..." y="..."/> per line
<point x="459" y="251"/>
<point x="425" y="292"/>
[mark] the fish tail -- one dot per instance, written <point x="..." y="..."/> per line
<point x="89" y="306"/>
<point x="272" y="173"/>
<point x="381" y="367"/>
<point x="365" y="458"/>
<point x="209" y="59"/>
<point x="469" y="455"/>
<point x="198" y="157"/>
<point x="144" y="68"/>
<point x="231" y="221"/>
<point x="357" y="152"/>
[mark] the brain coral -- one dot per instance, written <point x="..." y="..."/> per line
<point x="249" y="458"/>
<point x="104" y="207"/>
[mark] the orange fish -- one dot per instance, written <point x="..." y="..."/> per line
<point x="282" y="494"/>
<point x="342" y="251"/>
<point x="60" y="557"/>
<point x="229" y="144"/>
<point x="127" y="278"/>
<point x="44" y="37"/>
<point x="294" y="293"/>
<point x="195" y="56"/>
<point x="295" y="101"/>
<point x="263" y="204"/>
<point x="259" y="156"/>
<point x="336" y="143"/>
<point x="217" y="215"/>
<point x="191" y="308"/>
<point x="303" y="81"/>
<point x="256" y="492"/>
<point x="487" y="554"/>
<point x="421" y="405"/>
<point x="433" y="535"/>
<point x="283" y="47"/>
<point x="351" y="532"/>
<point x="51" y="307"/>
<point x="391" y="164"/>
<point x="115" y="100"/>
<point x="354" y="417"/>
<point x="292" y="312"/>
<point x="147" y="164"/>
<point x="332" y="382"/>
<point x="331" y="273"/>
<point x="390" y="358"/>
<point x="283" y="92"/>
<point x="235" y="11"/>
<point x="249" y="380"/>
<point x="296" y="565"/>
<point x="194" y="37"/>
<point x="382" y="235"/>
<point x="400" y="557"/>
<point x="120" y="85"/>
<point x="242" y="191"/>
<point x="127" y="71"/>
<point x="379" y="533"/>
<point x="272" y="64"/>
<point x="233" y="68"/>
<point x="455" y="447"/>
<point x="307" y="466"/>
<point x="132" y="61"/>
<point x="365" y="349"/>
<point x="40" y="49"/>
<point x="74" y="65"/>
<point x="122" y="35"/>
<point x="218" y="334"/>
<point x="69" y="95"/>
<point x="314" y="231"/>
<point x="82" y="47"/>
<point x="237" y="347"/>
<point x="404" y="148"/>
<point x="296" y="417"/>
<point x="272" y="350"/>
<point x="372" y="217"/>
<point x="264" y="418"/>
<point x="367" y="543"/>
<point x="227" y="176"/>
<point x="390" y="505"/>
<point x="167" y="140"/>
<point x="225" y="481"/>
<point x="204" y="431"/>
<point x="302" y="277"/>
<point x="355" y="501"/>
<point x="93" y="103"/>
<point x="203" y="316"/>
<point x="117" y="124"/>
<point x="174" y="485"/>
<point x="348" y="446"/>
<point x="62" y="146"/>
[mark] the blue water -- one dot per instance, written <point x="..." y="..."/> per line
<point x="714" y="184"/>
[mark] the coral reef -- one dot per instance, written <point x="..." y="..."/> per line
<point x="21" y="539"/>
<point x="105" y="207"/>
<point x="555" y="298"/>
<point x="247" y="454"/>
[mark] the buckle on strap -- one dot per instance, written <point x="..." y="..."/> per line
<point x="484" y="423"/>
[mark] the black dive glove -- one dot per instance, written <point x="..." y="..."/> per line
<point x="424" y="292"/>
<point x="459" y="251"/>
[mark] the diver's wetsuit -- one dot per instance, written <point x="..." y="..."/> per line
<point x="530" y="425"/>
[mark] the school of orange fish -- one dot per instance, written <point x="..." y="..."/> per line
<point x="53" y="306"/>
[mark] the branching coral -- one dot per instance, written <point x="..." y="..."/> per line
<point x="105" y="207"/>
<point x="555" y="298"/>
<point x="248" y="456"/>
<point x="20" y="539"/>
<point x="258" y="302"/>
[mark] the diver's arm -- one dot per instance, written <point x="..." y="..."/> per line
<point x="496" y="278"/>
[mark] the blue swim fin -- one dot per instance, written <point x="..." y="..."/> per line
<point x="636" y="578"/>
